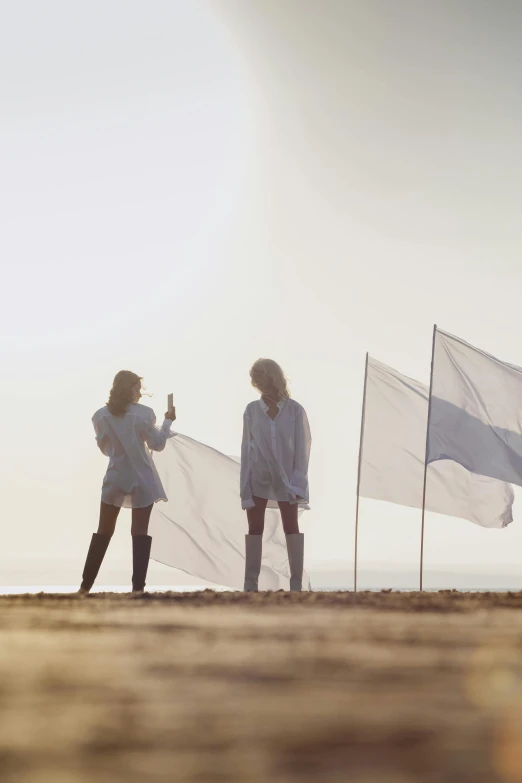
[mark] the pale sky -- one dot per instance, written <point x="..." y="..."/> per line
<point x="188" y="186"/>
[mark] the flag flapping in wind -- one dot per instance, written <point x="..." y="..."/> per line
<point x="476" y="416"/>
<point x="393" y="454"/>
<point x="201" y="528"/>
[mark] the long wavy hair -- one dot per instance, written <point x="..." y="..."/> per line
<point x="269" y="379"/>
<point x="122" y="392"/>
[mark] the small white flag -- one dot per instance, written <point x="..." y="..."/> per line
<point x="476" y="410"/>
<point x="393" y="453"/>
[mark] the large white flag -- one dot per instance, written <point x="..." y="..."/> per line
<point x="393" y="453"/>
<point x="201" y="528"/>
<point x="476" y="410"/>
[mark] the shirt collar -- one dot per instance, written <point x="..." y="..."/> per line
<point x="264" y="406"/>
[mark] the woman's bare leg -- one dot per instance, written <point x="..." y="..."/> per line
<point x="140" y="520"/>
<point x="289" y="517"/>
<point x="256" y="517"/>
<point x="108" y="517"/>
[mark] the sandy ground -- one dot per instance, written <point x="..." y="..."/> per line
<point x="268" y="688"/>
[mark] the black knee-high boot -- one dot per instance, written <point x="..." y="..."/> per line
<point x="140" y="561"/>
<point x="95" y="555"/>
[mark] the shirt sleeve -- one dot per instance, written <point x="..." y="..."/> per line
<point x="246" y="454"/>
<point x="102" y="440"/>
<point x="156" y="437"/>
<point x="303" y="443"/>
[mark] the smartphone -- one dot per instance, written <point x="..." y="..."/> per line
<point x="170" y="402"/>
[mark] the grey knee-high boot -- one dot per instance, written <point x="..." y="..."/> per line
<point x="253" y="554"/>
<point x="295" y="547"/>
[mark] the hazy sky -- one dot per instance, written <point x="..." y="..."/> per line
<point x="188" y="186"/>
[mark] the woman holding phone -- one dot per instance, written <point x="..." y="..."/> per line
<point x="274" y="468"/>
<point x="126" y="432"/>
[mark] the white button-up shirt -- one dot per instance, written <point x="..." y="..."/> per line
<point x="132" y="480"/>
<point x="275" y="454"/>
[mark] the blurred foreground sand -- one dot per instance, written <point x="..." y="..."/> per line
<point x="267" y="688"/>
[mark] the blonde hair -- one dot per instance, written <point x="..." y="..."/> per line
<point x="268" y="378"/>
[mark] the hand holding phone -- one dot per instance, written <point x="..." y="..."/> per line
<point x="171" y="410"/>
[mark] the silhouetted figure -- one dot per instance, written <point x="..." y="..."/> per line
<point x="125" y="431"/>
<point x="274" y="468"/>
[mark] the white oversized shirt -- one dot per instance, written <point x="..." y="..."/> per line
<point x="131" y="480"/>
<point x="275" y="454"/>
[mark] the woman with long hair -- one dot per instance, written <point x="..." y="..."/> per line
<point x="126" y="432"/>
<point x="274" y="468"/>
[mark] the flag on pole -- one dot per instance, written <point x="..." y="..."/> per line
<point x="201" y="528"/>
<point x="476" y="416"/>
<point x="393" y="455"/>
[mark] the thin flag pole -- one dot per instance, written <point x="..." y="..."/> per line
<point x="426" y="457"/>
<point x="359" y="474"/>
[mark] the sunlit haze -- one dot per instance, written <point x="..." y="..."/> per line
<point x="188" y="186"/>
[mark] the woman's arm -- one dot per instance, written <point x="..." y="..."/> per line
<point x="102" y="440"/>
<point x="244" y="481"/>
<point x="155" y="437"/>
<point x="303" y="443"/>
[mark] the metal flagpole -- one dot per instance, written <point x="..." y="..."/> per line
<point x="426" y="456"/>
<point x="359" y="474"/>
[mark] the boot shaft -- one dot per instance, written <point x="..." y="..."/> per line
<point x="295" y="548"/>
<point x="253" y="555"/>
<point x="140" y="561"/>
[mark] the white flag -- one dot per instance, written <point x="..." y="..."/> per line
<point x="201" y="528"/>
<point x="393" y="452"/>
<point x="476" y="415"/>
